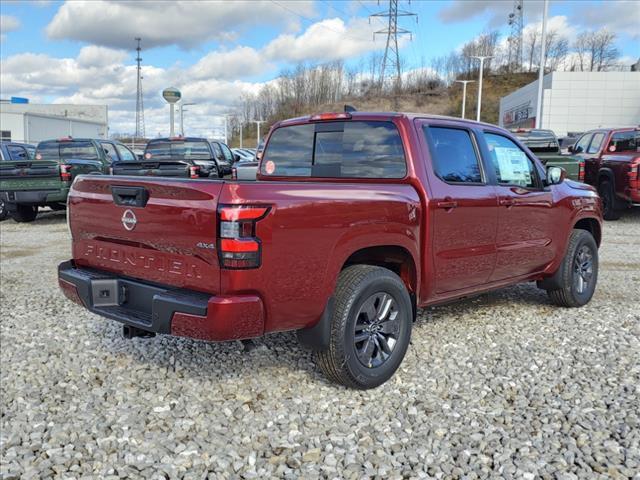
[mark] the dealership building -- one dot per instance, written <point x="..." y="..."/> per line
<point x="574" y="102"/>
<point x="32" y="123"/>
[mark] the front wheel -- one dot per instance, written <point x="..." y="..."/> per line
<point x="578" y="272"/>
<point x="608" y="196"/>
<point x="370" y="327"/>
<point x="24" y="213"/>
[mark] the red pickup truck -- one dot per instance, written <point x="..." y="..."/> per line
<point x="612" y="164"/>
<point x="356" y="220"/>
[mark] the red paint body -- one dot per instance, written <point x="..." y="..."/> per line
<point x="494" y="236"/>
<point x="621" y="168"/>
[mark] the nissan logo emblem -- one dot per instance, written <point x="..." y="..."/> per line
<point x="129" y="220"/>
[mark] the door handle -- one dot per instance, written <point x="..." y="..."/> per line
<point x="447" y="204"/>
<point x="507" y="202"/>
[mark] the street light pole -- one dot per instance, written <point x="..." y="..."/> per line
<point x="542" y="63"/>
<point x="258" y="122"/>
<point x="482" y="59"/>
<point x="464" y="93"/>
<point x="182" y="105"/>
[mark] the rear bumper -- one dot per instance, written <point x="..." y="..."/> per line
<point x="34" y="197"/>
<point x="163" y="309"/>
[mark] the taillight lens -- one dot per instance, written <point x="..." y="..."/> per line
<point x="634" y="171"/>
<point x="65" y="173"/>
<point x="194" y="171"/>
<point x="234" y="173"/>
<point x="238" y="245"/>
<point x="581" y="171"/>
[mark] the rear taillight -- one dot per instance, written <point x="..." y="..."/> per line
<point x="65" y="173"/>
<point x="238" y="245"/>
<point x="234" y="173"/>
<point x="581" y="171"/>
<point x="194" y="171"/>
<point x="634" y="170"/>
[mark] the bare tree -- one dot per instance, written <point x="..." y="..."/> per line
<point x="595" y="51"/>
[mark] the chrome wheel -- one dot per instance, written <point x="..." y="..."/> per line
<point x="582" y="269"/>
<point x="376" y="329"/>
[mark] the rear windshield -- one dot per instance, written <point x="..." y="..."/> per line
<point x="625" y="141"/>
<point x="84" y="150"/>
<point x="352" y="149"/>
<point x="539" y="140"/>
<point x="182" y="150"/>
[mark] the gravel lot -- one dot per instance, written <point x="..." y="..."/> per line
<point x="504" y="385"/>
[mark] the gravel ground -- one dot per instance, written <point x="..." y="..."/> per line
<point x="504" y="385"/>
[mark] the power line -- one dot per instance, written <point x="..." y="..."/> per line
<point x="139" y="100"/>
<point x="391" y="59"/>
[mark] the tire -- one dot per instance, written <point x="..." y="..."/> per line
<point x="608" y="196"/>
<point x="362" y="297"/>
<point x="25" y="213"/>
<point x="3" y="210"/>
<point x="580" y="262"/>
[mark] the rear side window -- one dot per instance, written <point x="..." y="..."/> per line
<point x="17" y="152"/>
<point x="356" y="149"/>
<point x="454" y="156"/>
<point x="625" y="142"/>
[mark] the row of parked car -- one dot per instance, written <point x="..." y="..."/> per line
<point x="33" y="177"/>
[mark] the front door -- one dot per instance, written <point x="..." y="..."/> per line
<point x="463" y="209"/>
<point x="525" y="219"/>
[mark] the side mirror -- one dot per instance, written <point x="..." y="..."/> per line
<point x="555" y="175"/>
<point x="570" y="149"/>
<point x="236" y="157"/>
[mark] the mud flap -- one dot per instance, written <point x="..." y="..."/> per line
<point x="318" y="336"/>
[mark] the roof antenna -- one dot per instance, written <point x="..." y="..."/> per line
<point x="349" y="109"/>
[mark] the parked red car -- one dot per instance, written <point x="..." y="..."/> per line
<point x="356" y="221"/>
<point x="612" y="164"/>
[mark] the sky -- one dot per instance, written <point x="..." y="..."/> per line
<point x="82" y="52"/>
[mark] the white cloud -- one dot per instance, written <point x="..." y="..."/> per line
<point x="622" y="16"/>
<point x="8" y="24"/>
<point x="237" y="63"/>
<point x="330" y="39"/>
<point x="185" y="23"/>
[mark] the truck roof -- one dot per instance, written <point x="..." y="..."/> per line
<point x="386" y="116"/>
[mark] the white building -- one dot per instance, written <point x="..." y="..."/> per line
<point x="32" y="123"/>
<point x="576" y="102"/>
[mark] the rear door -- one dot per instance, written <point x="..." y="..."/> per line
<point x="525" y="238"/>
<point x="463" y="208"/>
<point x="161" y="230"/>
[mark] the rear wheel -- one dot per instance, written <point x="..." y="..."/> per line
<point x="3" y="210"/>
<point x="370" y="327"/>
<point x="608" y="196"/>
<point x="24" y="213"/>
<point x="578" y="273"/>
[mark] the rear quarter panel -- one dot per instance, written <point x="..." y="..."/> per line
<point x="308" y="235"/>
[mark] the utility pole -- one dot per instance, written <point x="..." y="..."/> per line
<point x="542" y="63"/>
<point x="516" y="22"/>
<point x="464" y="93"/>
<point x="391" y="59"/>
<point x="139" y="101"/>
<point x="258" y="122"/>
<point x="482" y="59"/>
<point x="182" y="105"/>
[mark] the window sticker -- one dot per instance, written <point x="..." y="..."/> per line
<point x="513" y="165"/>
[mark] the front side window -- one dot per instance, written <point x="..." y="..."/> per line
<point x="110" y="150"/>
<point x="511" y="164"/>
<point x="352" y="149"/>
<point x="583" y="143"/>
<point x="596" y="143"/>
<point x="625" y="141"/>
<point x="125" y="154"/>
<point x="454" y="156"/>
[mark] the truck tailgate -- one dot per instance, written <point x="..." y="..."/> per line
<point x="29" y="175"/>
<point x="157" y="230"/>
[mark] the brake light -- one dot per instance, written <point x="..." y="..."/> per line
<point x="65" y="173"/>
<point x="634" y="171"/>
<point x="581" y="171"/>
<point x="330" y="116"/>
<point x="234" y="173"/>
<point x="194" y="171"/>
<point x="238" y="245"/>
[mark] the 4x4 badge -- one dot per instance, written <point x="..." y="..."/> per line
<point x="129" y="220"/>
